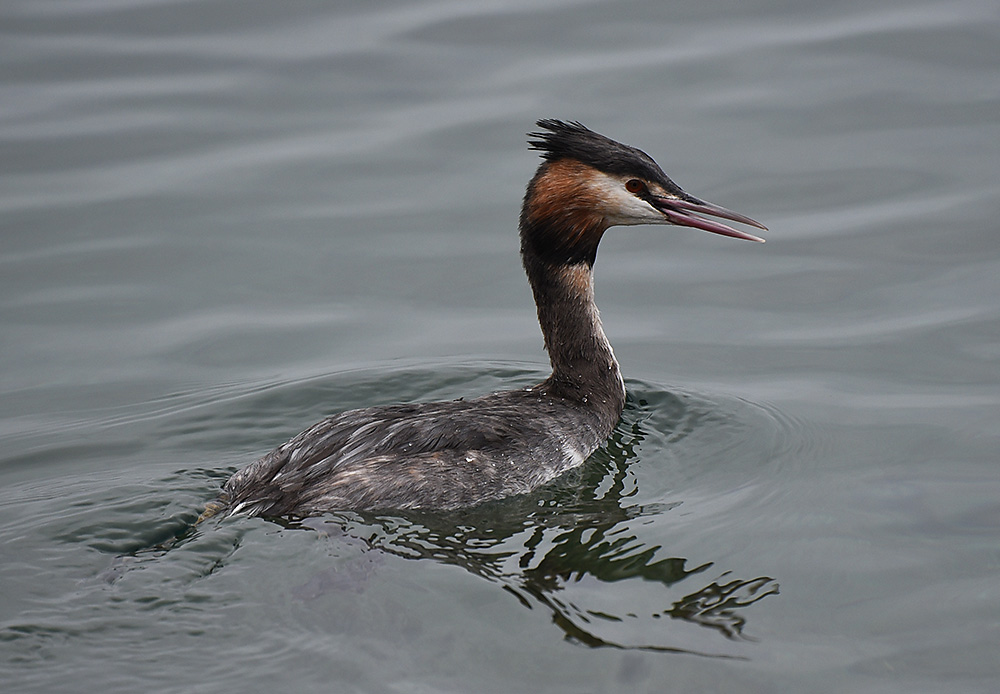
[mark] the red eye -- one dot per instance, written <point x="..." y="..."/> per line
<point x="635" y="186"/>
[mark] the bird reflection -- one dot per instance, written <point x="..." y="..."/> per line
<point x="556" y="548"/>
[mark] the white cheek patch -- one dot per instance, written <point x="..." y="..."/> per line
<point x="619" y="206"/>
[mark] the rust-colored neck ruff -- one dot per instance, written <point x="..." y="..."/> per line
<point x="561" y="219"/>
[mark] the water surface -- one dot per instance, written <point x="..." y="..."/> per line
<point x="222" y="221"/>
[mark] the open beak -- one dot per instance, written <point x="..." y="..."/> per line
<point x="685" y="213"/>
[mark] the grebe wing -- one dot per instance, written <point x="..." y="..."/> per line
<point x="441" y="454"/>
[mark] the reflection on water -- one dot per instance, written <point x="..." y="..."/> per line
<point x="542" y="547"/>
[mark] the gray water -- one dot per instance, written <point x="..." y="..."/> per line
<point x="221" y="221"/>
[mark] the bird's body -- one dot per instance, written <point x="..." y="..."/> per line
<point x="447" y="455"/>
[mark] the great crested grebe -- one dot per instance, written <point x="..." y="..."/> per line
<point x="448" y="455"/>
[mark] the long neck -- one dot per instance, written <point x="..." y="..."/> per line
<point x="560" y="231"/>
<point x="584" y="367"/>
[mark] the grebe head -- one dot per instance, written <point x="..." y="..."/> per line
<point x="589" y="182"/>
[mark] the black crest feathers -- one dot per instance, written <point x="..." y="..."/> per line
<point x="573" y="140"/>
